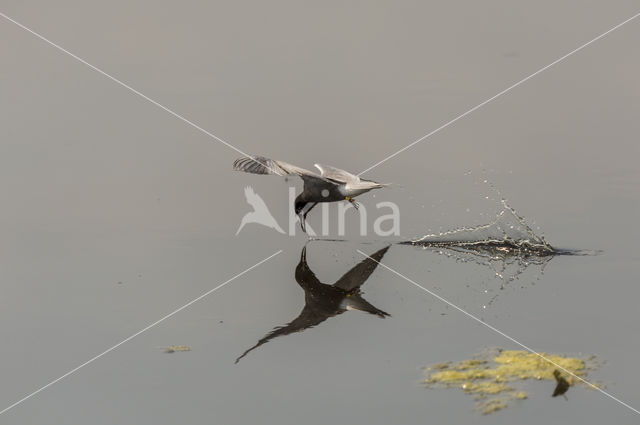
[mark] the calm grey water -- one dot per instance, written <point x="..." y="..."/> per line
<point x="115" y="213"/>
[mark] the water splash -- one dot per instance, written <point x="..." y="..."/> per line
<point x="505" y="264"/>
<point x="508" y="234"/>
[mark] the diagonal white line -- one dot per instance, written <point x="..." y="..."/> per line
<point x="91" y="360"/>
<point x="501" y="333"/>
<point x="442" y="127"/>
<point x="131" y="89"/>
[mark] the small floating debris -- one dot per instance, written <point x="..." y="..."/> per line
<point x="562" y="385"/>
<point x="492" y="377"/>
<point x="174" y="348"/>
<point x="490" y="406"/>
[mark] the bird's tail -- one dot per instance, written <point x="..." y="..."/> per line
<point x="368" y="185"/>
<point x="360" y="304"/>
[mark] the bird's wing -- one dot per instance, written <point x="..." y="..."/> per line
<point x="336" y="174"/>
<point x="308" y="318"/>
<point x="262" y="165"/>
<point x="355" y="277"/>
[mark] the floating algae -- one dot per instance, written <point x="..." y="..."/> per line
<point x="489" y="378"/>
<point x="490" y="406"/>
<point x="174" y="348"/>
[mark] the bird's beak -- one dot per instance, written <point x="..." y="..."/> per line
<point x="302" y="224"/>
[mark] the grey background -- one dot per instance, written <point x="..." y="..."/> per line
<point x="99" y="187"/>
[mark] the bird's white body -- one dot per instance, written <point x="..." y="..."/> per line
<point x="348" y="184"/>
<point x="358" y="188"/>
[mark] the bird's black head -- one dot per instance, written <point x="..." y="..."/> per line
<point x="299" y="205"/>
<point x="301" y="210"/>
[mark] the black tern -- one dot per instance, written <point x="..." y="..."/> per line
<point x="323" y="301"/>
<point x="332" y="185"/>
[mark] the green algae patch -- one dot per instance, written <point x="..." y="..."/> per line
<point x="485" y="388"/>
<point x="524" y="365"/>
<point x="490" y="406"/>
<point x="492" y="377"/>
<point x="176" y="348"/>
<point x="520" y="395"/>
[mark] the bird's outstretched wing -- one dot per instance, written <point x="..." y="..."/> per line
<point x="336" y="174"/>
<point x="308" y="318"/>
<point x="262" y="165"/>
<point x="355" y="277"/>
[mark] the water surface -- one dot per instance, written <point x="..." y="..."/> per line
<point x="115" y="213"/>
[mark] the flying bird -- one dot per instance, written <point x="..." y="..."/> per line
<point x="260" y="213"/>
<point x="323" y="301"/>
<point x="333" y="184"/>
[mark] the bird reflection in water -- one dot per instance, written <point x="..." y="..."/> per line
<point x="323" y="301"/>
